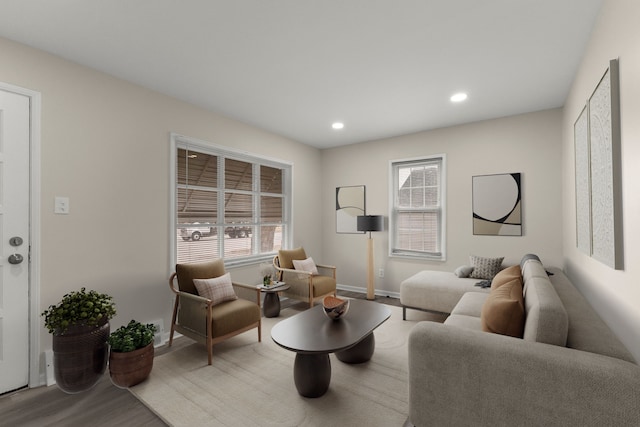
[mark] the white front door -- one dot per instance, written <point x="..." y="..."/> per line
<point x="14" y="240"/>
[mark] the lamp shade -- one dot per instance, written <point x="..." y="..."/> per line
<point x="370" y="223"/>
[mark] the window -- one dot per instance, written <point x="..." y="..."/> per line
<point x="227" y="204"/>
<point x="417" y="208"/>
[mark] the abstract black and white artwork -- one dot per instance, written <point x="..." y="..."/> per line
<point x="350" y="203"/>
<point x="497" y="205"/>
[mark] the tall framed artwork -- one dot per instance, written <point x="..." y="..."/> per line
<point x="598" y="172"/>
<point x="583" y="181"/>
<point x="350" y="203"/>
<point x="497" y="205"/>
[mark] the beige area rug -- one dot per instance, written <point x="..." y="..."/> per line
<point x="251" y="383"/>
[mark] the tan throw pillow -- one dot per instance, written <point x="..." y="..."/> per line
<point x="507" y="275"/>
<point x="503" y="310"/>
<point x="485" y="268"/>
<point x="218" y="289"/>
<point x="306" y="265"/>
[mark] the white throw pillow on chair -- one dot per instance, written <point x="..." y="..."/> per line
<point x="306" y="265"/>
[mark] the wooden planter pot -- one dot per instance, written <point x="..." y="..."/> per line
<point x="132" y="367"/>
<point x="80" y="357"/>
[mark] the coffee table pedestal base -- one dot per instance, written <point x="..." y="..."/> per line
<point x="360" y="352"/>
<point x="312" y="374"/>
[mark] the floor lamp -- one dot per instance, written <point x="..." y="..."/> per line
<point x="370" y="223"/>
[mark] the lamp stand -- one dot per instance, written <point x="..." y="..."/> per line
<point x="369" y="223"/>
<point x="370" y="278"/>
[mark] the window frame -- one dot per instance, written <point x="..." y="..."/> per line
<point x="394" y="166"/>
<point x="178" y="141"/>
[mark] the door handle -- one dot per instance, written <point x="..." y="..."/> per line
<point x="15" y="241"/>
<point x="15" y="259"/>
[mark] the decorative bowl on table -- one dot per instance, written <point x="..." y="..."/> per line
<point x="335" y="307"/>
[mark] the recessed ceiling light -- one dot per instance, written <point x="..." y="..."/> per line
<point x="459" y="97"/>
<point x="337" y="125"/>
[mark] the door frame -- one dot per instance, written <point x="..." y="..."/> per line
<point x="36" y="378"/>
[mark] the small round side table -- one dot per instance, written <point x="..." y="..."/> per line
<point x="271" y="306"/>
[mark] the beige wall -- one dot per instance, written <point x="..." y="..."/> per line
<point x="105" y="145"/>
<point x="615" y="294"/>
<point x="529" y="144"/>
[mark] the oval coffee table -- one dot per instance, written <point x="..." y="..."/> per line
<point x="312" y="335"/>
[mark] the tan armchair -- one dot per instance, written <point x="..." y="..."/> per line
<point x="199" y="319"/>
<point x="304" y="285"/>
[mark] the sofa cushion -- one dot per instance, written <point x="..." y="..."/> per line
<point x="485" y="268"/>
<point x="547" y="320"/>
<point x="435" y="290"/>
<point x="503" y="310"/>
<point x="531" y="269"/>
<point x="470" y="304"/>
<point x="506" y="275"/>
<point x="464" y="321"/>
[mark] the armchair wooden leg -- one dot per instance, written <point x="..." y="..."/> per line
<point x="260" y="331"/>
<point x="209" y="334"/>
<point x="173" y="319"/>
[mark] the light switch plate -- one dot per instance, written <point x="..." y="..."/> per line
<point x="61" y="205"/>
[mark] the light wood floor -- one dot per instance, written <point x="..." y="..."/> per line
<point x="105" y="405"/>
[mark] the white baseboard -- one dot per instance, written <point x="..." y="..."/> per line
<point x="48" y="368"/>
<point x="379" y="292"/>
<point x="164" y="338"/>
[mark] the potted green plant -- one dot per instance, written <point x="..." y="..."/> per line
<point x="266" y="271"/>
<point x="131" y="356"/>
<point x="79" y="324"/>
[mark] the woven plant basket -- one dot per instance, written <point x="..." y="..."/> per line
<point x="130" y="368"/>
<point x="80" y="357"/>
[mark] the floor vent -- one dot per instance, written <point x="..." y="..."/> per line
<point x="157" y="338"/>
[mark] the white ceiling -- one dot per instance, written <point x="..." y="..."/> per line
<point x="383" y="67"/>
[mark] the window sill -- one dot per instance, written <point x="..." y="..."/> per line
<point x="423" y="257"/>
<point x="243" y="262"/>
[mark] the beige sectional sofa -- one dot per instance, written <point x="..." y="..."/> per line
<point x="437" y="291"/>
<point x="567" y="369"/>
